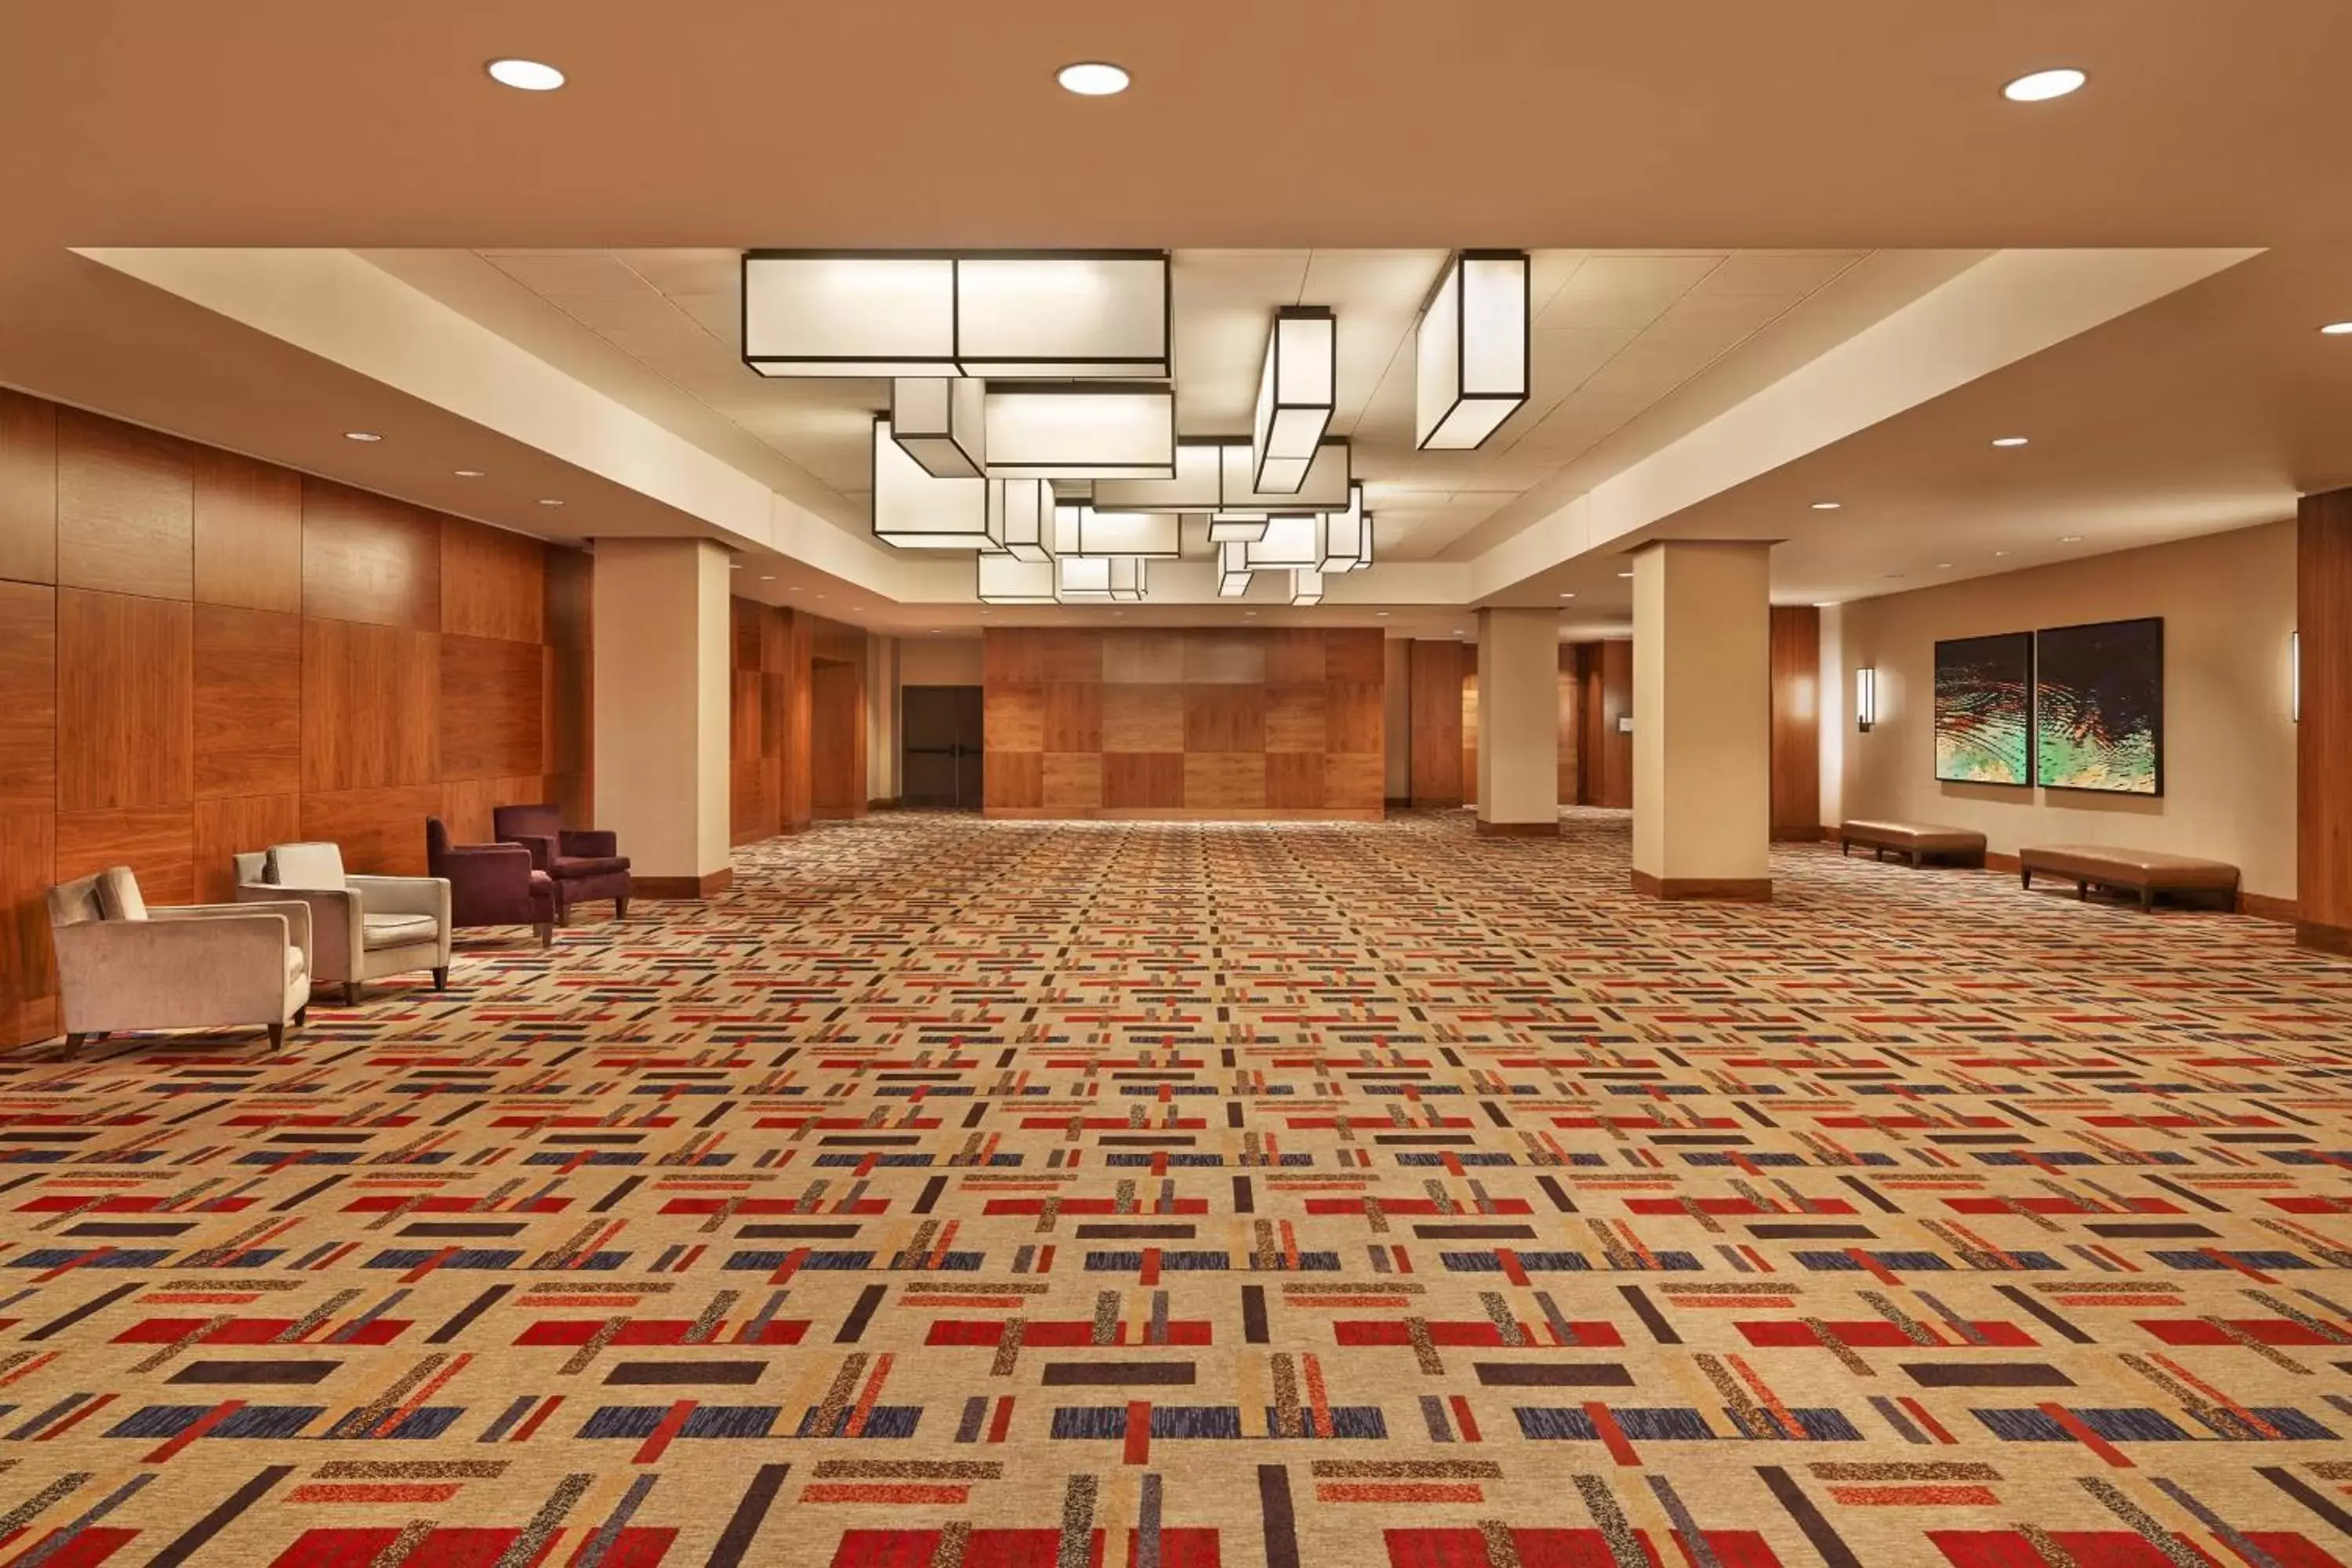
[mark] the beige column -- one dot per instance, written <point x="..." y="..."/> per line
<point x="660" y="628"/>
<point x="1518" y="722"/>
<point x="1702" y="721"/>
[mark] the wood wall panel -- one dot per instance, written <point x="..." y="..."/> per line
<point x="1605" y="753"/>
<point x="838" y="737"/>
<point x="792" y="714"/>
<point x="28" y="697"/>
<point x="1569" y="740"/>
<point x="248" y="533"/>
<point x="1188" y="723"/>
<point x="249" y="701"/>
<point x="225" y="828"/>
<point x="126" y="508"/>
<point x="369" y="558"/>
<point x="491" y="721"/>
<point x="2323" y="737"/>
<point x="1438" y="669"/>
<point x="155" y="841"/>
<point x="125" y="702"/>
<point x="791" y="743"/>
<point x="1796" y="663"/>
<point x="371" y="696"/>
<point x="298" y="695"/>
<point x="28" y="489"/>
<point x="493" y="583"/>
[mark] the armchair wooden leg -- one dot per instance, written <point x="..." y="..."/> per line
<point x="302" y="1016"/>
<point x="74" y="1042"/>
<point x="546" y="933"/>
<point x="441" y="978"/>
<point x="350" y="992"/>
<point x="277" y="1037"/>
<point x="620" y="908"/>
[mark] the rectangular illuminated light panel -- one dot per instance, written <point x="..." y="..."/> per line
<point x="1305" y="588"/>
<point x="1001" y="315"/>
<point x="1080" y="430"/>
<point x="1294" y="395"/>
<point x="1145" y="535"/>
<point x="1348" y="535"/>
<point x="1021" y="518"/>
<point x="1232" y="570"/>
<point x="1288" y="542"/>
<point x="918" y="511"/>
<point x="1008" y="580"/>
<point x="1472" y="351"/>
<point x="1098" y="579"/>
<point x="942" y="423"/>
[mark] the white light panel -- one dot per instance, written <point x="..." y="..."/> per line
<point x="1323" y="488"/>
<point x="1294" y="395"/>
<point x="1008" y="580"/>
<point x="1472" y="351"/>
<point x="1232" y="570"/>
<point x="1236" y="527"/>
<point x="1021" y="518"/>
<point x="942" y="424"/>
<point x="1097" y="579"/>
<point x="1348" y="535"/>
<point x="1147" y="535"/>
<point x="1305" y="588"/>
<point x="916" y="510"/>
<point x="1288" y="542"/>
<point x="1198" y="484"/>
<point x="1081" y="430"/>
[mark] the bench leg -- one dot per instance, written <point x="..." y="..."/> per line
<point x="1845" y="848"/>
<point x="2025" y="877"/>
<point x="2147" y="900"/>
<point x="2082" y="891"/>
<point x="1918" y="859"/>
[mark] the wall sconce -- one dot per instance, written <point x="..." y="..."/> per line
<point x="2295" y="676"/>
<point x="1865" y="698"/>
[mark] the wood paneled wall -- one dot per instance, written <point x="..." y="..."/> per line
<point x="201" y="653"/>
<point x="1440" y="671"/>
<point x="1796" y="721"/>
<point x="798" y="737"/>
<point x="1572" y="693"/>
<point x="2323" y="737"/>
<point x="1196" y="723"/>
<point x="1605" y="753"/>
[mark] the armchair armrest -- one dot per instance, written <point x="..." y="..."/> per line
<point x="541" y="848"/>
<point x="499" y="869"/>
<point x="336" y="942"/>
<point x="588" y="841"/>
<point x="403" y="896"/>
<point x="218" y="969"/>
<point x="297" y="916"/>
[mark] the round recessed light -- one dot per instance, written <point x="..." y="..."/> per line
<point x="767" y="577"/>
<point x="362" y="435"/>
<point x="1625" y="573"/>
<point x="2070" y="539"/>
<point x="1092" y="79"/>
<point x="2010" y="440"/>
<point x="549" y="500"/>
<point x="2338" y="330"/>
<point x="1943" y="566"/>
<point x="467" y="473"/>
<point x="1828" y="505"/>
<point x="1250" y="613"/>
<point x="734" y="566"/>
<point x="2041" y="87"/>
<point x="1382" y="613"/>
<point x="935" y="631"/>
<point x="526" y="76"/>
<point x="2000" y="553"/>
<point x="1567" y="595"/>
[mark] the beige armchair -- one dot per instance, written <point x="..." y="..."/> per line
<point x="364" y="926"/>
<point x="200" y="966"/>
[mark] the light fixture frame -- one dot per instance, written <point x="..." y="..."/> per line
<point x="942" y="423"/>
<point x="1098" y="579"/>
<point x="1089" y="531"/>
<point x="1009" y="579"/>
<point x="1305" y="586"/>
<point x="1292" y="541"/>
<point x="1022" y="462"/>
<point x="1232" y="570"/>
<point x="1021" y="518"/>
<point x="912" y="490"/>
<point x="1237" y="526"/>
<point x="1214" y="473"/>
<point x="1298" y="388"/>
<point x="956" y="357"/>
<point x="1437" y="406"/>
<point x="1347" y="535"/>
<point x="1865" y="697"/>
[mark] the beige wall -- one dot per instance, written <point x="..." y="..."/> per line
<point x="938" y="661"/>
<point x="1396" y="666"/>
<point x="2227" y="604"/>
<point x="1518" y="717"/>
<point x="661" y="626"/>
<point x="882" y="656"/>
<point x="1702" y="711"/>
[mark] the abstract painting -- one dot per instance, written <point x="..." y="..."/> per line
<point x="2098" y="707"/>
<point x="1984" y="706"/>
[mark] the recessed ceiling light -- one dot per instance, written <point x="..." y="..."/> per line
<point x="1092" y="79"/>
<point x="1567" y="595"/>
<point x="2000" y="553"/>
<point x="796" y="588"/>
<point x="767" y="577"/>
<point x="1943" y="566"/>
<point x="734" y="566"/>
<point x="2070" y="539"/>
<point x="1382" y="613"/>
<point x="467" y="473"/>
<point x="935" y="631"/>
<point x="1827" y="505"/>
<point x="526" y="76"/>
<point x="2040" y="87"/>
<point x="1250" y="613"/>
<point x="362" y="435"/>
<point x="549" y="500"/>
<point x="2008" y="440"/>
<point x="1625" y="573"/>
<point x="2338" y="329"/>
<point x="1895" y="576"/>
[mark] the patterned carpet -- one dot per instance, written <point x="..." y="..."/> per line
<point x="965" y="1195"/>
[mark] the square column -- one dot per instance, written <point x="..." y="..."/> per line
<point x="1703" y="720"/>
<point x="1518" y="722"/>
<point x="660" y="628"/>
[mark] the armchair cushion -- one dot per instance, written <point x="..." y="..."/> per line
<point x="590" y="865"/>
<point x="396" y="931"/>
<point x="312" y="867"/>
<point x="118" y="895"/>
<point x="587" y="842"/>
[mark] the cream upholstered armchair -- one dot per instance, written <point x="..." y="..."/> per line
<point x="200" y="966"/>
<point x="363" y="928"/>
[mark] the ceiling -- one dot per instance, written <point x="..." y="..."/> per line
<point x="1723" y="198"/>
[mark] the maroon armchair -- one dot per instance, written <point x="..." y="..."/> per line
<point x="585" y="863"/>
<point x="492" y="884"/>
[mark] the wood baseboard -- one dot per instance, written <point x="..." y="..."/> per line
<point x="1997" y="861"/>
<point x="1800" y="833"/>
<point x="1179" y="814"/>
<point x="2262" y="907"/>
<point x="1396" y="802"/>
<point x="701" y="887"/>
<point x="1725" y="890"/>
<point x="1518" y="829"/>
<point x="2336" y="940"/>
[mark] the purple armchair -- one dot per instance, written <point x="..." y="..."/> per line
<point x="492" y="884"/>
<point x="585" y="863"/>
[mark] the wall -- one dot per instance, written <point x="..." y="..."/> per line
<point x="1440" y="670"/>
<point x="1396" y="708"/>
<point x="2229" y="605"/>
<point x="201" y="654"/>
<point x="1569" y="764"/>
<point x="1199" y="723"/>
<point x="1796" y="631"/>
<point x="2324" y="739"/>
<point x="1605" y="757"/>
<point x="882" y="656"/>
<point x="662" y="700"/>
<point x="941" y="662"/>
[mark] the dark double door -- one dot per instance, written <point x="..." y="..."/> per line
<point x="941" y="738"/>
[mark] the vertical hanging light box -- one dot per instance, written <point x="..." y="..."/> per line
<point x="1295" y="394"/>
<point x="1472" y="351"/>
<point x="1003" y="314"/>
<point x="1305" y="588"/>
<point x="1021" y="518"/>
<point x="1348" y="535"/>
<point x="1324" y="487"/>
<point x="1097" y="579"/>
<point x="1009" y="580"/>
<point x="942" y="423"/>
<point x="1288" y="543"/>
<point x="1236" y="527"/>
<point x="1232" y="570"/>
<point x="916" y="510"/>
<point x="1080" y="430"/>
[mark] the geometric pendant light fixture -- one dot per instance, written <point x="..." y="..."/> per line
<point x="1007" y="580"/>
<point x="915" y="510"/>
<point x="1294" y="397"/>
<point x="1472" y="351"/>
<point x="1021" y="518"/>
<point x="939" y="421"/>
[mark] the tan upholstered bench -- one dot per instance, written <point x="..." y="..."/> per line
<point x="2142" y="871"/>
<point x="1919" y="840"/>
